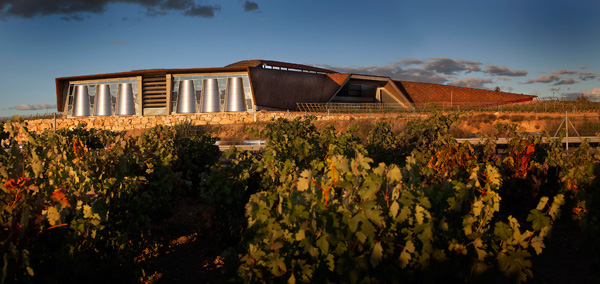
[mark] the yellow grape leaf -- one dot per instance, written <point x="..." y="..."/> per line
<point x="52" y="215"/>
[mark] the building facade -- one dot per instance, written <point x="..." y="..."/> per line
<point x="249" y="85"/>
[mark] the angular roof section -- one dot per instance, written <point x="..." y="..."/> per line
<point x="421" y="93"/>
<point x="283" y="90"/>
<point x="339" y="79"/>
<point x="262" y="63"/>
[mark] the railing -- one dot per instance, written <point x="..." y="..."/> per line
<point x="538" y="106"/>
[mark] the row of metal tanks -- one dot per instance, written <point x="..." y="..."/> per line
<point x="209" y="98"/>
<point x="186" y="103"/>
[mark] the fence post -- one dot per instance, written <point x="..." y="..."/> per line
<point x="567" y="128"/>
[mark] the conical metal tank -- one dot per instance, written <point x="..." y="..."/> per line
<point x="235" y="95"/>
<point x="82" y="101"/>
<point x="103" y="100"/>
<point x="210" y="96"/>
<point x="186" y="101"/>
<point x="125" y="103"/>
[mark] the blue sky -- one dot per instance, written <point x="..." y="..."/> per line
<point x="529" y="47"/>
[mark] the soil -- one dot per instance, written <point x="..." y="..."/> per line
<point x="185" y="253"/>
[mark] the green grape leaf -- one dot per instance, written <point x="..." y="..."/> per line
<point x="542" y="204"/>
<point x="538" y="244"/>
<point x="374" y="215"/>
<point x="503" y="231"/>
<point x="87" y="211"/>
<point x="405" y="256"/>
<point x="304" y="180"/>
<point x="554" y="211"/>
<point x="361" y="237"/>
<point x="480" y="249"/>
<point x="538" y="219"/>
<point x="330" y="262"/>
<point x="376" y="254"/>
<point x="419" y="215"/>
<point x="300" y="235"/>
<point x="404" y="213"/>
<point x="394" y="209"/>
<point x="323" y="244"/>
<point x="515" y="265"/>
<point x="477" y="206"/>
<point x="353" y="223"/>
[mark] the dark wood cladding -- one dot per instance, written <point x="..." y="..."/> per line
<point x="283" y="89"/>
<point x="421" y="93"/>
<point x="154" y="90"/>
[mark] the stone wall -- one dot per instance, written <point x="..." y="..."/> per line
<point x="127" y="123"/>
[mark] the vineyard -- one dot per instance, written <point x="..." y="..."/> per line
<point x="313" y="206"/>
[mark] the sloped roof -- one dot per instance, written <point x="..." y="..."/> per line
<point x="420" y="93"/>
<point x="261" y="62"/>
<point x="339" y="79"/>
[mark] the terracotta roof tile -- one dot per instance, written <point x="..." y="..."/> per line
<point x="421" y="93"/>
<point x="340" y="79"/>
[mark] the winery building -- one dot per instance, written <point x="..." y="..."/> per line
<point x="251" y="85"/>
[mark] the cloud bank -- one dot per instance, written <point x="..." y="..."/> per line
<point x="33" y="107"/>
<point x="503" y="71"/>
<point x="449" y="71"/>
<point x="71" y="10"/>
<point x="447" y="66"/>
<point x="594" y="94"/>
<point x="440" y="70"/>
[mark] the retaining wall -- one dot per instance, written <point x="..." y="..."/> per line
<point x="127" y="123"/>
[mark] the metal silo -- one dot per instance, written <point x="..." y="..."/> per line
<point x="125" y="102"/>
<point x="186" y="101"/>
<point x="103" y="103"/>
<point x="82" y="101"/>
<point x="210" y="96"/>
<point x="235" y="95"/>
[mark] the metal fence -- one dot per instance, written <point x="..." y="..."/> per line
<point x="538" y="106"/>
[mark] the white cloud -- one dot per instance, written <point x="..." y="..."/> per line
<point x="472" y="82"/>
<point x="594" y="94"/>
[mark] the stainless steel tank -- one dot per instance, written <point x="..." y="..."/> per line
<point x="125" y="103"/>
<point x="103" y="103"/>
<point x="186" y="101"/>
<point x="210" y="96"/>
<point x="82" y="101"/>
<point x="235" y="95"/>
